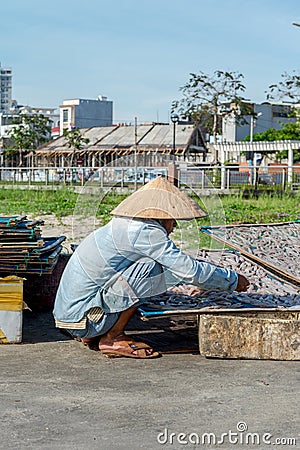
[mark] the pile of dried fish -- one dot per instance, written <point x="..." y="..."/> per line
<point x="262" y="281"/>
<point x="278" y="245"/>
<point x="265" y="291"/>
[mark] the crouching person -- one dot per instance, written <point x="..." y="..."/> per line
<point x="122" y="264"/>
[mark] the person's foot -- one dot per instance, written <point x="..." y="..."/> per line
<point x="125" y="346"/>
<point x="92" y="343"/>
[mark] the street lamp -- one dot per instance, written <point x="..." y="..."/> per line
<point x="252" y="123"/>
<point x="252" y="154"/>
<point x="175" y="120"/>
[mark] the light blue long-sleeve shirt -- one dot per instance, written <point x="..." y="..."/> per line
<point x="93" y="274"/>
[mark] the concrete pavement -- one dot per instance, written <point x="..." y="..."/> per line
<point x="58" y="394"/>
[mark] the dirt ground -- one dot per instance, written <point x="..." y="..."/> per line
<point x="75" y="228"/>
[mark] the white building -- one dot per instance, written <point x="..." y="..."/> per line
<point x="7" y="120"/>
<point x="265" y="116"/>
<point x="5" y="89"/>
<point x="82" y="113"/>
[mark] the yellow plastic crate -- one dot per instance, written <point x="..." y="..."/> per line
<point x="11" y="309"/>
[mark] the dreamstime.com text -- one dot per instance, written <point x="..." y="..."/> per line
<point x="241" y="436"/>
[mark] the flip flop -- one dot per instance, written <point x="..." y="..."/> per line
<point x="129" y="350"/>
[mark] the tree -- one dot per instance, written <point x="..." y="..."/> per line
<point x="289" y="131"/>
<point x="287" y="88"/>
<point x="204" y="95"/>
<point x="74" y="140"/>
<point x="28" y="134"/>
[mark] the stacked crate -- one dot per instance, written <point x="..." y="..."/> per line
<point x="24" y="250"/>
<point x="26" y="259"/>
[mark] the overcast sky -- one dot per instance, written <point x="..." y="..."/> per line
<point x="138" y="53"/>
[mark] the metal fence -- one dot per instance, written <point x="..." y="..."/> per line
<point x="225" y="177"/>
<point x="229" y="177"/>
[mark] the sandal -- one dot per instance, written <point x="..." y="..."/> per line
<point x="130" y="349"/>
<point x="91" y="343"/>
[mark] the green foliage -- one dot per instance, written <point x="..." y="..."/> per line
<point x="234" y="209"/>
<point x="263" y="209"/>
<point x="17" y="201"/>
<point x="224" y="210"/>
<point x="29" y="133"/>
<point x="61" y="203"/>
<point x="288" y="131"/>
<point x="288" y="87"/>
<point x="203" y="95"/>
<point x="75" y="139"/>
<point x="267" y="207"/>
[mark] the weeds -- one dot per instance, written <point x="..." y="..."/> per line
<point x="231" y="209"/>
<point x="225" y="210"/>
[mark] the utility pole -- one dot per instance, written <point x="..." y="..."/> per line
<point x="135" y="153"/>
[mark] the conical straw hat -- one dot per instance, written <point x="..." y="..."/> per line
<point x="159" y="199"/>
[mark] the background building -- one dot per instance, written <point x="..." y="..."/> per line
<point x="8" y="119"/>
<point x="265" y="115"/>
<point x="5" y="89"/>
<point x="151" y="143"/>
<point x="81" y="113"/>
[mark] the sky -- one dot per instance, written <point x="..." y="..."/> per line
<point x="139" y="53"/>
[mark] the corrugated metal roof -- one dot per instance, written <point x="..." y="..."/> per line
<point x="149" y="136"/>
<point x="162" y="135"/>
<point x="96" y="134"/>
<point x="55" y="143"/>
<point x="124" y="136"/>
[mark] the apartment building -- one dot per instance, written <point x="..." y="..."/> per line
<point x="5" y="89"/>
<point x="83" y="113"/>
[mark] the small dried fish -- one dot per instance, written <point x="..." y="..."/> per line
<point x="265" y="291"/>
<point x="277" y="245"/>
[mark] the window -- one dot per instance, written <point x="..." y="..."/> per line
<point x="281" y="111"/>
<point x="65" y="115"/>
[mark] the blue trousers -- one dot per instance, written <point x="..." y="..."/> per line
<point x="137" y="283"/>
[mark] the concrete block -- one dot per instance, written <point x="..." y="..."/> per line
<point x="270" y="335"/>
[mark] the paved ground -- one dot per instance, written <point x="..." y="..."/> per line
<point x="58" y="394"/>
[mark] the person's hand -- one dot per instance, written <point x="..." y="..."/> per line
<point x="243" y="283"/>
